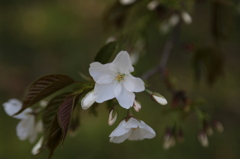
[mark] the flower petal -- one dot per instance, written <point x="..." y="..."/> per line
<point x="133" y="84"/>
<point x="120" y="139"/>
<point x="132" y="123"/>
<point x="39" y="126"/>
<point x="105" y="79"/>
<point x="137" y="134"/>
<point x="100" y="73"/>
<point x="13" y="106"/>
<point x="122" y="63"/>
<point x="120" y="130"/>
<point x="36" y="148"/>
<point x="25" y="127"/>
<point x="104" y="92"/>
<point x="125" y="98"/>
<point x="137" y="106"/>
<point x="150" y="132"/>
<point x="142" y="131"/>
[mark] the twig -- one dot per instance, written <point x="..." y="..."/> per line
<point x="165" y="54"/>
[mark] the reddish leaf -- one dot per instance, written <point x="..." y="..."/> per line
<point x="51" y="110"/>
<point x="65" y="113"/>
<point x="55" y="136"/>
<point x="75" y="121"/>
<point x="56" y="124"/>
<point x="44" y="87"/>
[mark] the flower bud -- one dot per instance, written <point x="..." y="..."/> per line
<point x="165" y="27"/>
<point x="202" y="138"/>
<point x="207" y="128"/>
<point x="88" y="100"/>
<point x="159" y="98"/>
<point x="174" y="19"/>
<point x="126" y="2"/>
<point x="168" y="139"/>
<point x="111" y="39"/>
<point x="186" y="18"/>
<point x="36" y="149"/>
<point x="169" y="143"/>
<point x="137" y="106"/>
<point x="43" y="103"/>
<point x="218" y="126"/>
<point x="111" y="119"/>
<point x="152" y="5"/>
<point x="180" y="135"/>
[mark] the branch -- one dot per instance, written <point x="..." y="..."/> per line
<point x="165" y="54"/>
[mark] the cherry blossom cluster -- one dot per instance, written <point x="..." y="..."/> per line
<point x="28" y="128"/>
<point x="114" y="80"/>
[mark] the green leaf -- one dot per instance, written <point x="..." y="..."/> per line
<point x="44" y="87"/>
<point x="106" y="52"/>
<point x="55" y="136"/>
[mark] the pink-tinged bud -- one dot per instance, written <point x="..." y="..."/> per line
<point x="88" y="100"/>
<point x="218" y="126"/>
<point x="207" y="128"/>
<point x="168" y="139"/>
<point x="152" y="5"/>
<point x="111" y="119"/>
<point x="174" y="20"/>
<point x="180" y="135"/>
<point x="186" y="18"/>
<point x="137" y="106"/>
<point x="126" y="2"/>
<point x="43" y="103"/>
<point x="111" y="39"/>
<point x="159" y="98"/>
<point x="203" y="139"/>
<point x="170" y="142"/>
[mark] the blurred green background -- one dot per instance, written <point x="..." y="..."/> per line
<point x="57" y="36"/>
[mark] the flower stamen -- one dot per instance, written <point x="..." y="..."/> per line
<point x="119" y="77"/>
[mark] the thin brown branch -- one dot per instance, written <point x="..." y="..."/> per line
<point x="160" y="68"/>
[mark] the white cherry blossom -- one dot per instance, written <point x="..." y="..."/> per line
<point x="131" y="129"/>
<point x="27" y="127"/>
<point x="114" y="80"/>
